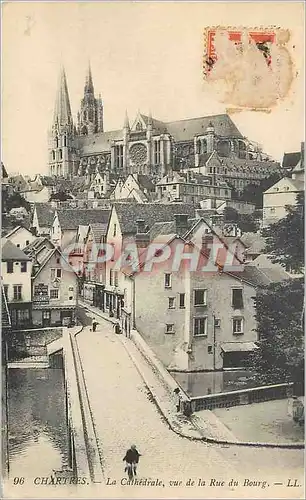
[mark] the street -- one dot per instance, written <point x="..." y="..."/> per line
<point x="123" y="415"/>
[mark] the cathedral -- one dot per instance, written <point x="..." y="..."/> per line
<point x="146" y="145"/>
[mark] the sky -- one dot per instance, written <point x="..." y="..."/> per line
<point x="144" y="56"/>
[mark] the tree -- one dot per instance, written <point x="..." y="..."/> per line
<point x="60" y="196"/>
<point x="14" y="200"/>
<point x="254" y="193"/>
<point x="280" y="328"/>
<point x="285" y="238"/>
<point x="230" y="214"/>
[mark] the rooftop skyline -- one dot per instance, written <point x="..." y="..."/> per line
<point x="144" y="56"/>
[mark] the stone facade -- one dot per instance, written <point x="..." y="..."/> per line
<point x="148" y="146"/>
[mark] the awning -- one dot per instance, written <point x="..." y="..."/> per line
<point x="238" y="346"/>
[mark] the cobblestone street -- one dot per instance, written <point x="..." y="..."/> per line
<point x="123" y="415"/>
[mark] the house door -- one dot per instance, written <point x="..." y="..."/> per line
<point x="46" y="318"/>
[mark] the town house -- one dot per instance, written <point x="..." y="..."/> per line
<point x="54" y="289"/>
<point x="16" y="268"/>
<point x="201" y="320"/>
<point x="128" y="225"/>
<point x="20" y="236"/>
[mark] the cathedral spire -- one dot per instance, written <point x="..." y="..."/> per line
<point x="126" y="121"/>
<point x="89" y="88"/>
<point x="62" y="110"/>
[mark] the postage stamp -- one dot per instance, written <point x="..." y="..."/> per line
<point x="252" y="65"/>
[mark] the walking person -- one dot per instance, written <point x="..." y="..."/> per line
<point x="94" y="325"/>
<point x="117" y="327"/>
<point x="131" y="460"/>
<point x="179" y="398"/>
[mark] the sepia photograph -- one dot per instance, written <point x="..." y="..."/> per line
<point x="152" y="250"/>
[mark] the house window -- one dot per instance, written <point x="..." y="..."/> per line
<point x="200" y="326"/>
<point x="54" y="293"/>
<point x="23" y="267"/>
<point x="238" y="326"/>
<point x="182" y="300"/>
<point x="58" y="261"/>
<point x="171" y="302"/>
<point x="200" y="297"/>
<point x="60" y="154"/>
<point x="167" y="280"/>
<point x="23" y="315"/>
<point x="56" y="273"/>
<point x="46" y="314"/>
<point x="169" y="328"/>
<point x="237" y="298"/>
<point x="272" y="210"/>
<point x="27" y="242"/>
<point x="115" y="230"/>
<point x="209" y="349"/>
<point x="116" y="278"/>
<point x="18" y="245"/>
<point x="17" y="292"/>
<point x="157" y="152"/>
<point x="10" y="266"/>
<point x="5" y="289"/>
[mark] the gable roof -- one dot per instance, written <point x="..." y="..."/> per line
<point x="260" y="277"/>
<point x="17" y="229"/>
<point x="11" y="252"/>
<point x="45" y="214"/>
<point x="48" y="256"/>
<point x="254" y="242"/>
<point x="290" y="160"/>
<point x="296" y="185"/>
<point x="35" y="246"/>
<point x="98" y="230"/>
<point x="183" y="130"/>
<point x="144" y="181"/>
<point x="72" y="218"/>
<point x="150" y="213"/>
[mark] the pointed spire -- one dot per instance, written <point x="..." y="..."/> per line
<point x="89" y="88"/>
<point x="126" y="121"/>
<point x="62" y="110"/>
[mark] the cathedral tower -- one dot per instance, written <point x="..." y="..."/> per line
<point x="90" y="117"/>
<point x="62" y="157"/>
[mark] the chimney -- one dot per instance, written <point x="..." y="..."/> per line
<point x="141" y="227"/>
<point x="207" y="241"/>
<point x="181" y="224"/>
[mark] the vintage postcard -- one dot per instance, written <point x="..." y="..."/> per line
<point x="152" y="250"/>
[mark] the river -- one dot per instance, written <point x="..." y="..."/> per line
<point x="38" y="437"/>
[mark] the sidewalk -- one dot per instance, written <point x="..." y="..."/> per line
<point x="205" y="425"/>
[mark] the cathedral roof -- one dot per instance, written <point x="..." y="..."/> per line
<point x="290" y="160"/>
<point x="100" y="142"/>
<point x="185" y="130"/>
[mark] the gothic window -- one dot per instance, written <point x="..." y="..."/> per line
<point x="198" y="146"/>
<point x="84" y="130"/>
<point x="56" y="142"/>
<point x="223" y="148"/>
<point x="60" y="154"/>
<point x="156" y="152"/>
<point x="138" y="154"/>
<point x="90" y="115"/>
<point x="85" y="115"/>
<point x="53" y="155"/>
<point x="204" y="146"/>
<point x="65" y="140"/>
<point x="119" y="156"/>
<point x="139" y="126"/>
<point x="242" y="149"/>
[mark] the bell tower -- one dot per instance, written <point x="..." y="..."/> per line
<point x="62" y="157"/>
<point x="90" y="116"/>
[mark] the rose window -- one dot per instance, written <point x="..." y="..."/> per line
<point x="138" y="154"/>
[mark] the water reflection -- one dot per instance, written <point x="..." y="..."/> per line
<point x="38" y="439"/>
<point x="204" y="383"/>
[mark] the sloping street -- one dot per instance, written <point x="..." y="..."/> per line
<point x="123" y="415"/>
